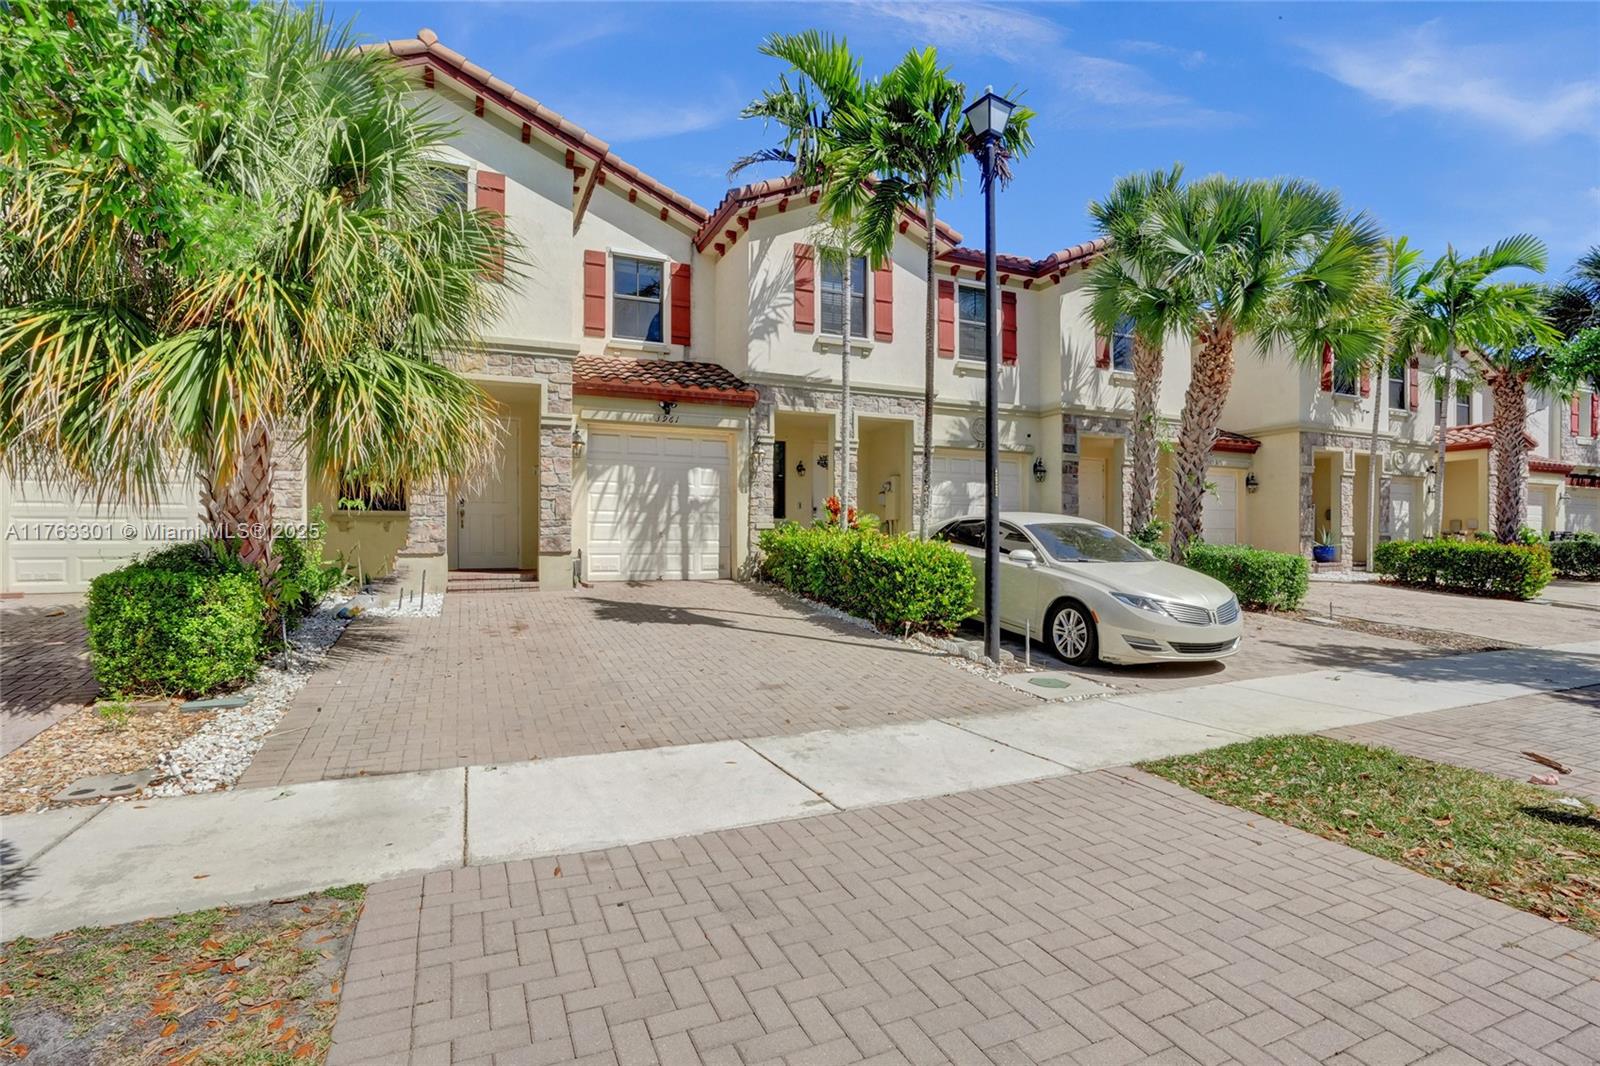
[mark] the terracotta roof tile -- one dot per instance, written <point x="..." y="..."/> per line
<point x="677" y="380"/>
<point x="1476" y="435"/>
<point x="1234" y="442"/>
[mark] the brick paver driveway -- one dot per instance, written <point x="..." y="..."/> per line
<point x="1106" y="917"/>
<point x="44" y="666"/>
<point x="1507" y="621"/>
<point x="1492" y="737"/>
<point x="509" y="676"/>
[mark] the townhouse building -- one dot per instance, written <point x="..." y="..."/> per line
<point x="669" y="382"/>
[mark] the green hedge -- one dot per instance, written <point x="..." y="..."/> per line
<point x="1476" y="567"/>
<point x="1153" y="537"/>
<point x="1275" y="581"/>
<point x="1577" y="557"/>
<point x="893" y="581"/>
<point x="182" y="622"/>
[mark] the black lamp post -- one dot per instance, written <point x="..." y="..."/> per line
<point x="987" y="116"/>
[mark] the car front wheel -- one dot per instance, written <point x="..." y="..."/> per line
<point x="1071" y="632"/>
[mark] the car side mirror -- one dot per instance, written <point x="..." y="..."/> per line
<point x="1024" y="557"/>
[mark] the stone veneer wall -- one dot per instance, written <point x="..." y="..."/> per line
<point x="775" y="398"/>
<point x="1095" y="426"/>
<point x="1349" y="445"/>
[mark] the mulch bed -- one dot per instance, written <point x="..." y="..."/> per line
<point x="257" y="984"/>
<point x="86" y="744"/>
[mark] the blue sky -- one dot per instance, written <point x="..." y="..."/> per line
<point x="1449" y="122"/>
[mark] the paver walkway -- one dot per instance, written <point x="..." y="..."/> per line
<point x="44" y="666"/>
<point x="1493" y="736"/>
<point x="1510" y="621"/>
<point x="510" y="676"/>
<point x="1107" y="917"/>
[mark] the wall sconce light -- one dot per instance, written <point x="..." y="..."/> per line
<point x="822" y="462"/>
<point x="667" y="406"/>
<point x="577" y="442"/>
<point x="1039" y="470"/>
<point x="800" y="468"/>
<point x="1250" y="483"/>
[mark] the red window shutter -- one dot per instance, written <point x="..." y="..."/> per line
<point x="1327" y="368"/>
<point x="491" y="198"/>
<point x="1594" y="414"/>
<point x="805" y="289"/>
<point x="594" y="294"/>
<point x="681" y="304"/>
<point x="947" y="319"/>
<point x="1366" y="383"/>
<point x="1102" y="351"/>
<point x="883" y="302"/>
<point x="1572" y="424"/>
<point x="1008" y="327"/>
<point x="1413" y="387"/>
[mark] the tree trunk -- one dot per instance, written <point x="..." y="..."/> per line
<point x="928" y="361"/>
<point x="242" y="513"/>
<point x="1209" y="382"/>
<point x="1142" y="446"/>
<point x="1510" y="456"/>
<point x="1446" y="403"/>
<point x="842" y="480"/>
<point x="1375" y="468"/>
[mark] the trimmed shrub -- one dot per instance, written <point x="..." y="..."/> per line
<point x="1577" y="557"/>
<point x="1275" y="581"/>
<point x="1152" y="537"/>
<point x="1476" y="567"/>
<point x="894" y="582"/>
<point x="303" y="577"/>
<point x="179" y="622"/>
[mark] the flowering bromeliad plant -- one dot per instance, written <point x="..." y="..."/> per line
<point x="834" y="507"/>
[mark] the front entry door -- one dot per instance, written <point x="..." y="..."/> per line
<point x="489" y="521"/>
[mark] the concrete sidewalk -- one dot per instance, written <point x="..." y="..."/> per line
<point x="126" y="861"/>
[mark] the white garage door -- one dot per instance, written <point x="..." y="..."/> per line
<point x="55" y="541"/>
<point x="1219" y="510"/>
<point x="656" y="506"/>
<point x="1538" y="507"/>
<point x="958" y="486"/>
<point x="1583" y="510"/>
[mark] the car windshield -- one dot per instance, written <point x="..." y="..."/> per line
<point x="1085" y="542"/>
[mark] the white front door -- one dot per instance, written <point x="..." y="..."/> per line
<point x="656" y="506"/>
<point x="1092" y="490"/>
<point x="490" y="519"/>
<point x="1402" y="505"/>
<point x="1538" y="507"/>
<point x="958" y="486"/>
<point x="1219" y="512"/>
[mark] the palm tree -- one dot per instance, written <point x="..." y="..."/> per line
<point x="827" y="84"/>
<point x="1406" y="330"/>
<point x="902" y="152"/>
<point x="1120" y="292"/>
<point x="1278" y="262"/>
<point x="1466" y="306"/>
<point x="1529" y="358"/>
<point x="312" y="297"/>
<point x="1575" y="305"/>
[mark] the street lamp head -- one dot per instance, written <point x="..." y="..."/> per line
<point x="987" y="115"/>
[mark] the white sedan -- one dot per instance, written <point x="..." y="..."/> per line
<point x="1092" y="594"/>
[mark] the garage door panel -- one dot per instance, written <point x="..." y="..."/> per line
<point x="1583" y="510"/>
<point x="655" y="506"/>
<point x="958" y="486"/>
<point x="1219" y="511"/>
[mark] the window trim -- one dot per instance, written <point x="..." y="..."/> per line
<point x="1353" y="380"/>
<point x="612" y="296"/>
<point x="981" y="354"/>
<point x="856" y="293"/>
<point x="1399" y="373"/>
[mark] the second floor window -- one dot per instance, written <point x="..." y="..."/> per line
<point x="1345" y="379"/>
<point x="453" y="191"/>
<point x="1399" y="376"/>
<point x="636" y="299"/>
<point x="972" y="320"/>
<point x="1462" y="415"/>
<point x="833" y="296"/>
<point x="1122" y="346"/>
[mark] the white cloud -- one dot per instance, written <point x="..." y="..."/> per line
<point x="1120" y="92"/>
<point x="1418" y="68"/>
<point x="619" y="119"/>
<point x="1187" y="58"/>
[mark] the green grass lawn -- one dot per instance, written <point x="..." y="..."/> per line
<point x="1502" y="839"/>
<point x="256" y="985"/>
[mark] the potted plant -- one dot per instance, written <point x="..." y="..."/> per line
<point x="1324" y="551"/>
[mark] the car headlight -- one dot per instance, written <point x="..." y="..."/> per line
<point x="1142" y="603"/>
